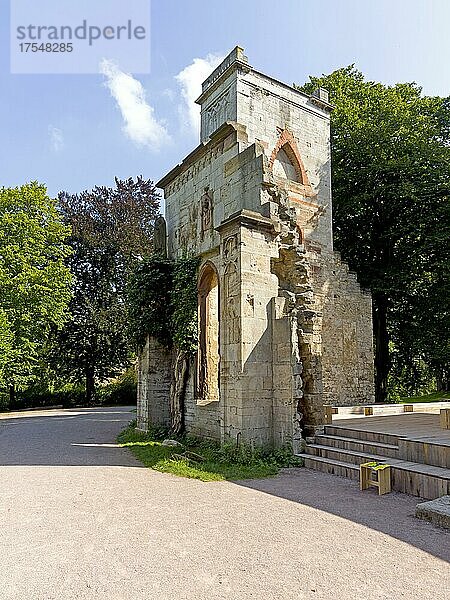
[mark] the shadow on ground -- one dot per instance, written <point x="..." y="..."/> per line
<point x="392" y="514"/>
<point x="70" y="437"/>
<point x="86" y="437"/>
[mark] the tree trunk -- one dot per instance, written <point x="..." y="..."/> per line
<point x="442" y="380"/>
<point x="178" y="391"/>
<point x="439" y="381"/>
<point x="382" y="359"/>
<point x="90" y="386"/>
<point x="12" y="395"/>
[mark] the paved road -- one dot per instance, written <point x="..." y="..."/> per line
<point x="81" y="519"/>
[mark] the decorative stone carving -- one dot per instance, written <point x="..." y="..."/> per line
<point x="206" y="211"/>
<point x="160" y="237"/>
<point x="229" y="248"/>
<point x="231" y="304"/>
<point x="217" y="114"/>
<point x="250" y="304"/>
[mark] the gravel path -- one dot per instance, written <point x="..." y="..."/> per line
<point x="81" y="519"/>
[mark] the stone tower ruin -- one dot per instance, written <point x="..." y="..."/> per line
<point x="284" y="327"/>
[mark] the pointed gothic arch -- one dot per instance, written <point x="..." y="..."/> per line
<point x="285" y="160"/>
<point x="208" y="356"/>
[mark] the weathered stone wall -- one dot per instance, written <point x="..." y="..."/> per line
<point x="202" y="419"/>
<point x="266" y="108"/>
<point x="153" y="388"/>
<point x="258" y="288"/>
<point x="287" y="381"/>
<point x="347" y="340"/>
<point x="294" y="327"/>
<point x="232" y="177"/>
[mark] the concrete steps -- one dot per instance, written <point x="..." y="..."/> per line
<point x="437" y="511"/>
<point x="341" y="450"/>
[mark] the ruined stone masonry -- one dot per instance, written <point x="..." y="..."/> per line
<point x="284" y="325"/>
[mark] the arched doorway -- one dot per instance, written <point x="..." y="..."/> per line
<point x="208" y="322"/>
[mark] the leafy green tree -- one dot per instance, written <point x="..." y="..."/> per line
<point x="391" y="182"/>
<point x="112" y="230"/>
<point x="93" y="345"/>
<point x="5" y="343"/>
<point x="35" y="283"/>
<point x="421" y="334"/>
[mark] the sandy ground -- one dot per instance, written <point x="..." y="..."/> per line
<point x="80" y="518"/>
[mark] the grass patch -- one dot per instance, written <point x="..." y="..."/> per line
<point x="204" y="459"/>
<point x="434" y="397"/>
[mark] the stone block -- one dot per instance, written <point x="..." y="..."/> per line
<point x="436" y="511"/>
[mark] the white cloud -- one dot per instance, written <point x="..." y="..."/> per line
<point x="169" y="94"/>
<point x="140" y="123"/>
<point x="56" y="138"/>
<point x="190" y="80"/>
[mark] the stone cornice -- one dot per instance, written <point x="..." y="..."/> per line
<point x="218" y="136"/>
<point x="235" y="61"/>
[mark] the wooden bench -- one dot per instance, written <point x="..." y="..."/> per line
<point x="377" y="475"/>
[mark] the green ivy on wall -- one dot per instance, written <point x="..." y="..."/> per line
<point x="149" y="301"/>
<point x="162" y="303"/>
<point x="184" y="304"/>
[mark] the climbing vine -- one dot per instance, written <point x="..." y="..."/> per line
<point x="149" y="302"/>
<point x="162" y="303"/>
<point x="184" y="304"/>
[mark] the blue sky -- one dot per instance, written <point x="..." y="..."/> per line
<point x="68" y="131"/>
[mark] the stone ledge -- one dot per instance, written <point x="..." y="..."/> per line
<point x="436" y="511"/>
<point x="250" y="219"/>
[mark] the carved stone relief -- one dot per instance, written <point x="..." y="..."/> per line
<point x="206" y="212"/>
<point x="229" y="248"/>
<point x="231" y="328"/>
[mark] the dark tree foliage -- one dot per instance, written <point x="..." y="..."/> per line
<point x="112" y="229"/>
<point x="121" y="217"/>
<point x="391" y="185"/>
<point x="93" y="344"/>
